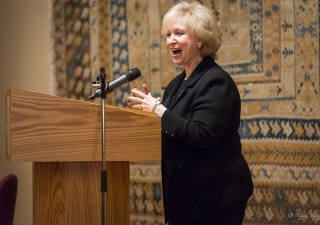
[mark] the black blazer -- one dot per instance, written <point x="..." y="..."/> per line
<point x="202" y="166"/>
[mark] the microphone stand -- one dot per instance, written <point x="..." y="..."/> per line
<point x="103" y="177"/>
<point x="103" y="89"/>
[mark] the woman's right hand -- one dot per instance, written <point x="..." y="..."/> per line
<point x="145" y="101"/>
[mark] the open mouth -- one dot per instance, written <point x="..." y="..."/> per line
<point x="176" y="52"/>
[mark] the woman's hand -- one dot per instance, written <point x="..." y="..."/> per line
<point x="142" y="101"/>
<point x="145" y="101"/>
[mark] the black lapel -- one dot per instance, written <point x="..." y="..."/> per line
<point x="171" y="95"/>
<point x="203" y="66"/>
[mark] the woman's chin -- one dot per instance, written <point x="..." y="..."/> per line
<point x="176" y="61"/>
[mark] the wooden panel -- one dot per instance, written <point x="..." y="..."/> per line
<point x="118" y="194"/>
<point x="48" y="193"/>
<point x="69" y="193"/>
<point x="45" y="128"/>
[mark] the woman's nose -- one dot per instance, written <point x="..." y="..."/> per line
<point x="171" y="39"/>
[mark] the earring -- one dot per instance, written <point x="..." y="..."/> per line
<point x="199" y="45"/>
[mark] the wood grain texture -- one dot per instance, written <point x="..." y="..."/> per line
<point x="8" y="128"/>
<point x="69" y="193"/>
<point x="45" y="128"/>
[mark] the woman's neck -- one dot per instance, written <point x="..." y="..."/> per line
<point x="191" y="67"/>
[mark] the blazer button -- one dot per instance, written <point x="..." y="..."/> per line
<point x="166" y="132"/>
<point x="172" y="135"/>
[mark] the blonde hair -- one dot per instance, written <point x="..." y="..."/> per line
<point x="201" y="22"/>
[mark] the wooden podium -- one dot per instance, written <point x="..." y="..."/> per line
<point x="62" y="137"/>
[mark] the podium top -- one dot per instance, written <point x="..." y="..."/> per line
<point x="46" y="128"/>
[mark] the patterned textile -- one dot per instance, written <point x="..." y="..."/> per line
<point x="271" y="49"/>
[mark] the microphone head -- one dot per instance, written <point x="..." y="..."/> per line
<point x="133" y="74"/>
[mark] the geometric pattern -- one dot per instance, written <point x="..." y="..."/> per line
<point x="74" y="55"/>
<point x="283" y="205"/>
<point x="281" y="129"/>
<point x="270" y="48"/>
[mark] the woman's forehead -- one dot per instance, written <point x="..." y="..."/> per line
<point x="179" y="20"/>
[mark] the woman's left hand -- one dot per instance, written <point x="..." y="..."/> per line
<point x="143" y="101"/>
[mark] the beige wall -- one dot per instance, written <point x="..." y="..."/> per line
<point x="24" y="63"/>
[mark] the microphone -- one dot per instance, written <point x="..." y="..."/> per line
<point x="130" y="75"/>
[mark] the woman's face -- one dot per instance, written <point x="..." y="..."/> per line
<point x="182" y="44"/>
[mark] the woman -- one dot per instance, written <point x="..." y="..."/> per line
<point x="205" y="178"/>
